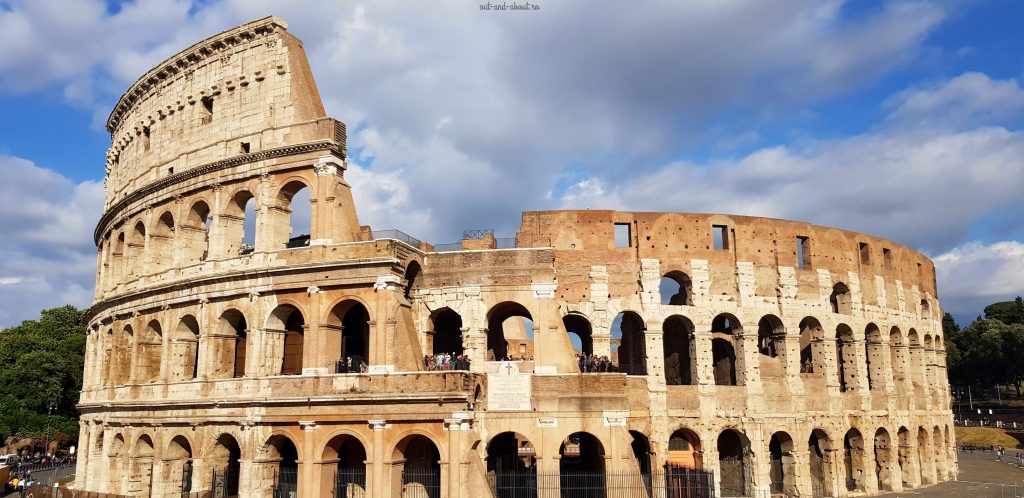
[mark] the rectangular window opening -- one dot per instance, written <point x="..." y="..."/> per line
<point x="865" y="253"/>
<point x="245" y="147"/>
<point x="803" y="253"/>
<point x="170" y="171"/>
<point x="721" y="236"/>
<point x="623" y="237"/>
<point x="207" y="116"/>
<point x="145" y="138"/>
<point x="887" y="257"/>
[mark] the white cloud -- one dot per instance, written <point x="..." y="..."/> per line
<point x="975" y="275"/>
<point x="964" y="100"/>
<point x="47" y="257"/>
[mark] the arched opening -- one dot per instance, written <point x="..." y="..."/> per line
<point x="343" y="473"/>
<point x="629" y="348"/>
<point x="354" y="339"/>
<point x="512" y="466"/>
<point x="288" y="322"/>
<point x="897" y="355"/>
<point x="294" y="201"/>
<point x="875" y="356"/>
<point x="905" y="457"/>
<point x="509" y="332"/>
<point x="812" y="346"/>
<point x="411" y="273"/>
<point x="916" y="359"/>
<point x="581" y="334"/>
<point x="141" y="467"/>
<point x="185" y="350"/>
<point x="724" y="351"/>
<point x="161" y="242"/>
<point x="926" y="311"/>
<point x="419" y="469"/>
<point x="733" y="464"/>
<point x="771" y="346"/>
<point x="883" y="460"/>
<point x="116" y="457"/>
<point x="846" y="358"/>
<point x="177" y="462"/>
<point x="117" y="260"/>
<point x="283" y="456"/>
<point x="224" y="460"/>
<point x="676" y="289"/>
<point x="581" y="466"/>
<point x="239" y="222"/>
<point x="125" y="351"/>
<point x="136" y="256"/>
<point x="782" y="467"/>
<point x="678" y="349"/>
<point x="447" y="332"/>
<point x="853" y="460"/>
<point x="684" y="450"/>
<point x="642" y="453"/>
<point x="230" y="346"/>
<point x="196" y="234"/>
<point x="938" y="454"/>
<point x="924" y="457"/>
<point x="150" y="349"/>
<point x="819" y="464"/>
<point x="840" y="299"/>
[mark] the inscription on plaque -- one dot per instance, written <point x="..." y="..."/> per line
<point x="508" y="390"/>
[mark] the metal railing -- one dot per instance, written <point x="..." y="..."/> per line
<point x="397" y="235"/>
<point x="673" y="482"/>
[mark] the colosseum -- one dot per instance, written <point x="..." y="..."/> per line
<point x="236" y="349"/>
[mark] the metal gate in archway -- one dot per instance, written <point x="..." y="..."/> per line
<point x="421" y="483"/>
<point x="817" y="471"/>
<point x="733" y="476"/>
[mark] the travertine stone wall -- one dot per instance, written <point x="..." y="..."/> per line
<point x="287" y="359"/>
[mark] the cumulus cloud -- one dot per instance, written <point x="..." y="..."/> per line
<point x="974" y="275"/>
<point x="47" y="257"/>
<point x="919" y="184"/>
<point x="461" y="119"/>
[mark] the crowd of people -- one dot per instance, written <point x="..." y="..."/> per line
<point x="446" y="361"/>
<point x="591" y="363"/>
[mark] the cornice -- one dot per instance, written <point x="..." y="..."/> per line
<point x="191" y="56"/>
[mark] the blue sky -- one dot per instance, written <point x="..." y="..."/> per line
<point x="896" y="118"/>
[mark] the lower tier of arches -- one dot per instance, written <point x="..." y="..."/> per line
<point x="498" y="455"/>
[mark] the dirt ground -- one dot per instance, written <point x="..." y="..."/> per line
<point x="981" y="476"/>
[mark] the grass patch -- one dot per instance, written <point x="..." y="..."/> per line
<point x="985" y="436"/>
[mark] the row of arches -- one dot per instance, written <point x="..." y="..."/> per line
<point x="232" y="349"/>
<point x="676" y="289"/>
<point x="821" y="465"/>
<point x="191" y="235"/>
<point x="856" y="364"/>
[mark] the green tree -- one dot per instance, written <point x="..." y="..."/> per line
<point x="1008" y="312"/>
<point x="41" y="364"/>
<point x="949" y="326"/>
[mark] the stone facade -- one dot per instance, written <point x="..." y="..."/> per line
<point x="790" y="358"/>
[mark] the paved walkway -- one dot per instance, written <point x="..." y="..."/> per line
<point x="981" y="476"/>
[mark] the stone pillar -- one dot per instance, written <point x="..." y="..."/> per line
<point x="314" y="347"/>
<point x="307" y="482"/>
<point x="791" y="346"/>
<point x="452" y="480"/>
<point x="802" y="479"/>
<point x="334" y="213"/>
<point x="86" y="437"/>
<point x="378" y="482"/>
<point x="700" y="344"/>
<point x="749" y="363"/>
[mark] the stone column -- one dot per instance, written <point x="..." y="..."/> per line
<point x="451" y="480"/>
<point x="314" y="347"/>
<point x="791" y="346"/>
<point x="307" y="482"/>
<point x="379" y="479"/>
